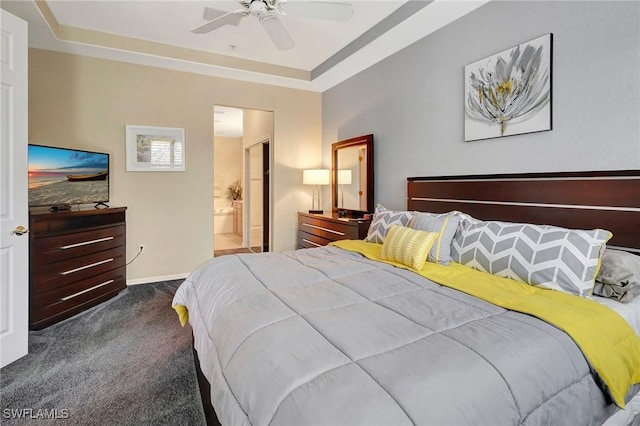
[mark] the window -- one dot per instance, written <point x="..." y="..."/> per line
<point x="155" y="148"/>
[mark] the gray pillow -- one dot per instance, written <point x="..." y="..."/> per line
<point x="446" y="225"/>
<point x="619" y="276"/>
<point x="541" y="255"/>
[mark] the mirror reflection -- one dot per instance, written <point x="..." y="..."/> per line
<point x="352" y="172"/>
<point x="352" y="176"/>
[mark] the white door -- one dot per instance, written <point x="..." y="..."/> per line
<point x="14" y="243"/>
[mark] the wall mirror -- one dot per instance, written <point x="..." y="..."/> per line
<point x="352" y="176"/>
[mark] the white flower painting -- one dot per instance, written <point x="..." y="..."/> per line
<point x="509" y="93"/>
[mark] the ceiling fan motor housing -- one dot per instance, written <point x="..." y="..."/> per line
<point x="259" y="8"/>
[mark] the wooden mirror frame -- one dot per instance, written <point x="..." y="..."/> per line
<point x="366" y="141"/>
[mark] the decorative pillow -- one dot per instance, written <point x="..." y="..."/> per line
<point x="407" y="246"/>
<point x="541" y="255"/>
<point x="383" y="219"/>
<point x="619" y="276"/>
<point x="379" y="208"/>
<point x="446" y="225"/>
<point x="465" y="218"/>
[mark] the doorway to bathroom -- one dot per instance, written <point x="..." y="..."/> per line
<point x="241" y="189"/>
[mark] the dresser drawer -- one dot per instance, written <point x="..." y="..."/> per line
<point x="48" y="277"/>
<point x="49" y="311"/>
<point x="43" y="223"/>
<point x="330" y="230"/>
<point x="60" y="298"/>
<point x="306" y="240"/>
<point x="319" y="230"/>
<point x="64" y="247"/>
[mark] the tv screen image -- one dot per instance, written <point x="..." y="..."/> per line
<point x="60" y="176"/>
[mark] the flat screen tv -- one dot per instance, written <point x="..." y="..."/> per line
<point x="60" y="177"/>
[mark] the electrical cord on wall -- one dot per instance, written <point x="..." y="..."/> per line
<point x="136" y="256"/>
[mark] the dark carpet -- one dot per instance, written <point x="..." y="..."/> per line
<point x="124" y="362"/>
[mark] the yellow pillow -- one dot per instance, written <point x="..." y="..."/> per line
<point x="407" y="246"/>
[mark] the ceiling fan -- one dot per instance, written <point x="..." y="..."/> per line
<point x="267" y="12"/>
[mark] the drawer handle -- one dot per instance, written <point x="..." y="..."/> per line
<point x="311" y="242"/>
<point x="84" y="243"/>
<point x="71" y="271"/>
<point x="64" y="299"/>
<point x="333" y="231"/>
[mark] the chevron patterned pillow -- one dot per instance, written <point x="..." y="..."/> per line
<point x="382" y="220"/>
<point x="407" y="246"/>
<point x="541" y="255"/>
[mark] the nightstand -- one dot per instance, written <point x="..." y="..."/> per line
<point x="315" y="230"/>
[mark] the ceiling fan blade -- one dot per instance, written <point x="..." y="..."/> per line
<point x="227" y="18"/>
<point x="317" y="9"/>
<point x="278" y="33"/>
<point x="210" y="13"/>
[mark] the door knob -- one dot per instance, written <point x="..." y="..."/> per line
<point x="20" y="230"/>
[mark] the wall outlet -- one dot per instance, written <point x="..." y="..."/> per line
<point x="141" y="248"/>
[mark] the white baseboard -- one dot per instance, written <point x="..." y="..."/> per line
<point x="150" y="280"/>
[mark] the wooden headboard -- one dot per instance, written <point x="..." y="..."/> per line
<point x="580" y="200"/>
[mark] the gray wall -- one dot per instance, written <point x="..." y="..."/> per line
<point x="413" y="101"/>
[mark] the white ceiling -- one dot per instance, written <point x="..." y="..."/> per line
<point x="170" y="22"/>
<point x="158" y="33"/>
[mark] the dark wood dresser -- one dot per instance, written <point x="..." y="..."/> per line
<point x="77" y="260"/>
<point x="315" y="230"/>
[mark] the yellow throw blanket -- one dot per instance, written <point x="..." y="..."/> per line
<point x="183" y="314"/>
<point x="606" y="340"/>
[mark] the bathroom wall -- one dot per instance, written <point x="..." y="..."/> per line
<point x="227" y="168"/>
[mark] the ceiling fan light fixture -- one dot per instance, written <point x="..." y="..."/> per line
<point x="258" y="8"/>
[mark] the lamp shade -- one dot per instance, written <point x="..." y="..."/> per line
<point x="316" y="177"/>
<point x="344" y="177"/>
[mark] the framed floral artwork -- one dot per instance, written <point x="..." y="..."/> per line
<point x="509" y="93"/>
<point x="154" y="149"/>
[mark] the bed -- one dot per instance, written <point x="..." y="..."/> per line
<point x="339" y="335"/>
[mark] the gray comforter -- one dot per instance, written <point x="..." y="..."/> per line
<point x="325" y="336"/>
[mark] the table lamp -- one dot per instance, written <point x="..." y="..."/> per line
<point x="344" y="178"/>
<point x="316" y="177"/>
